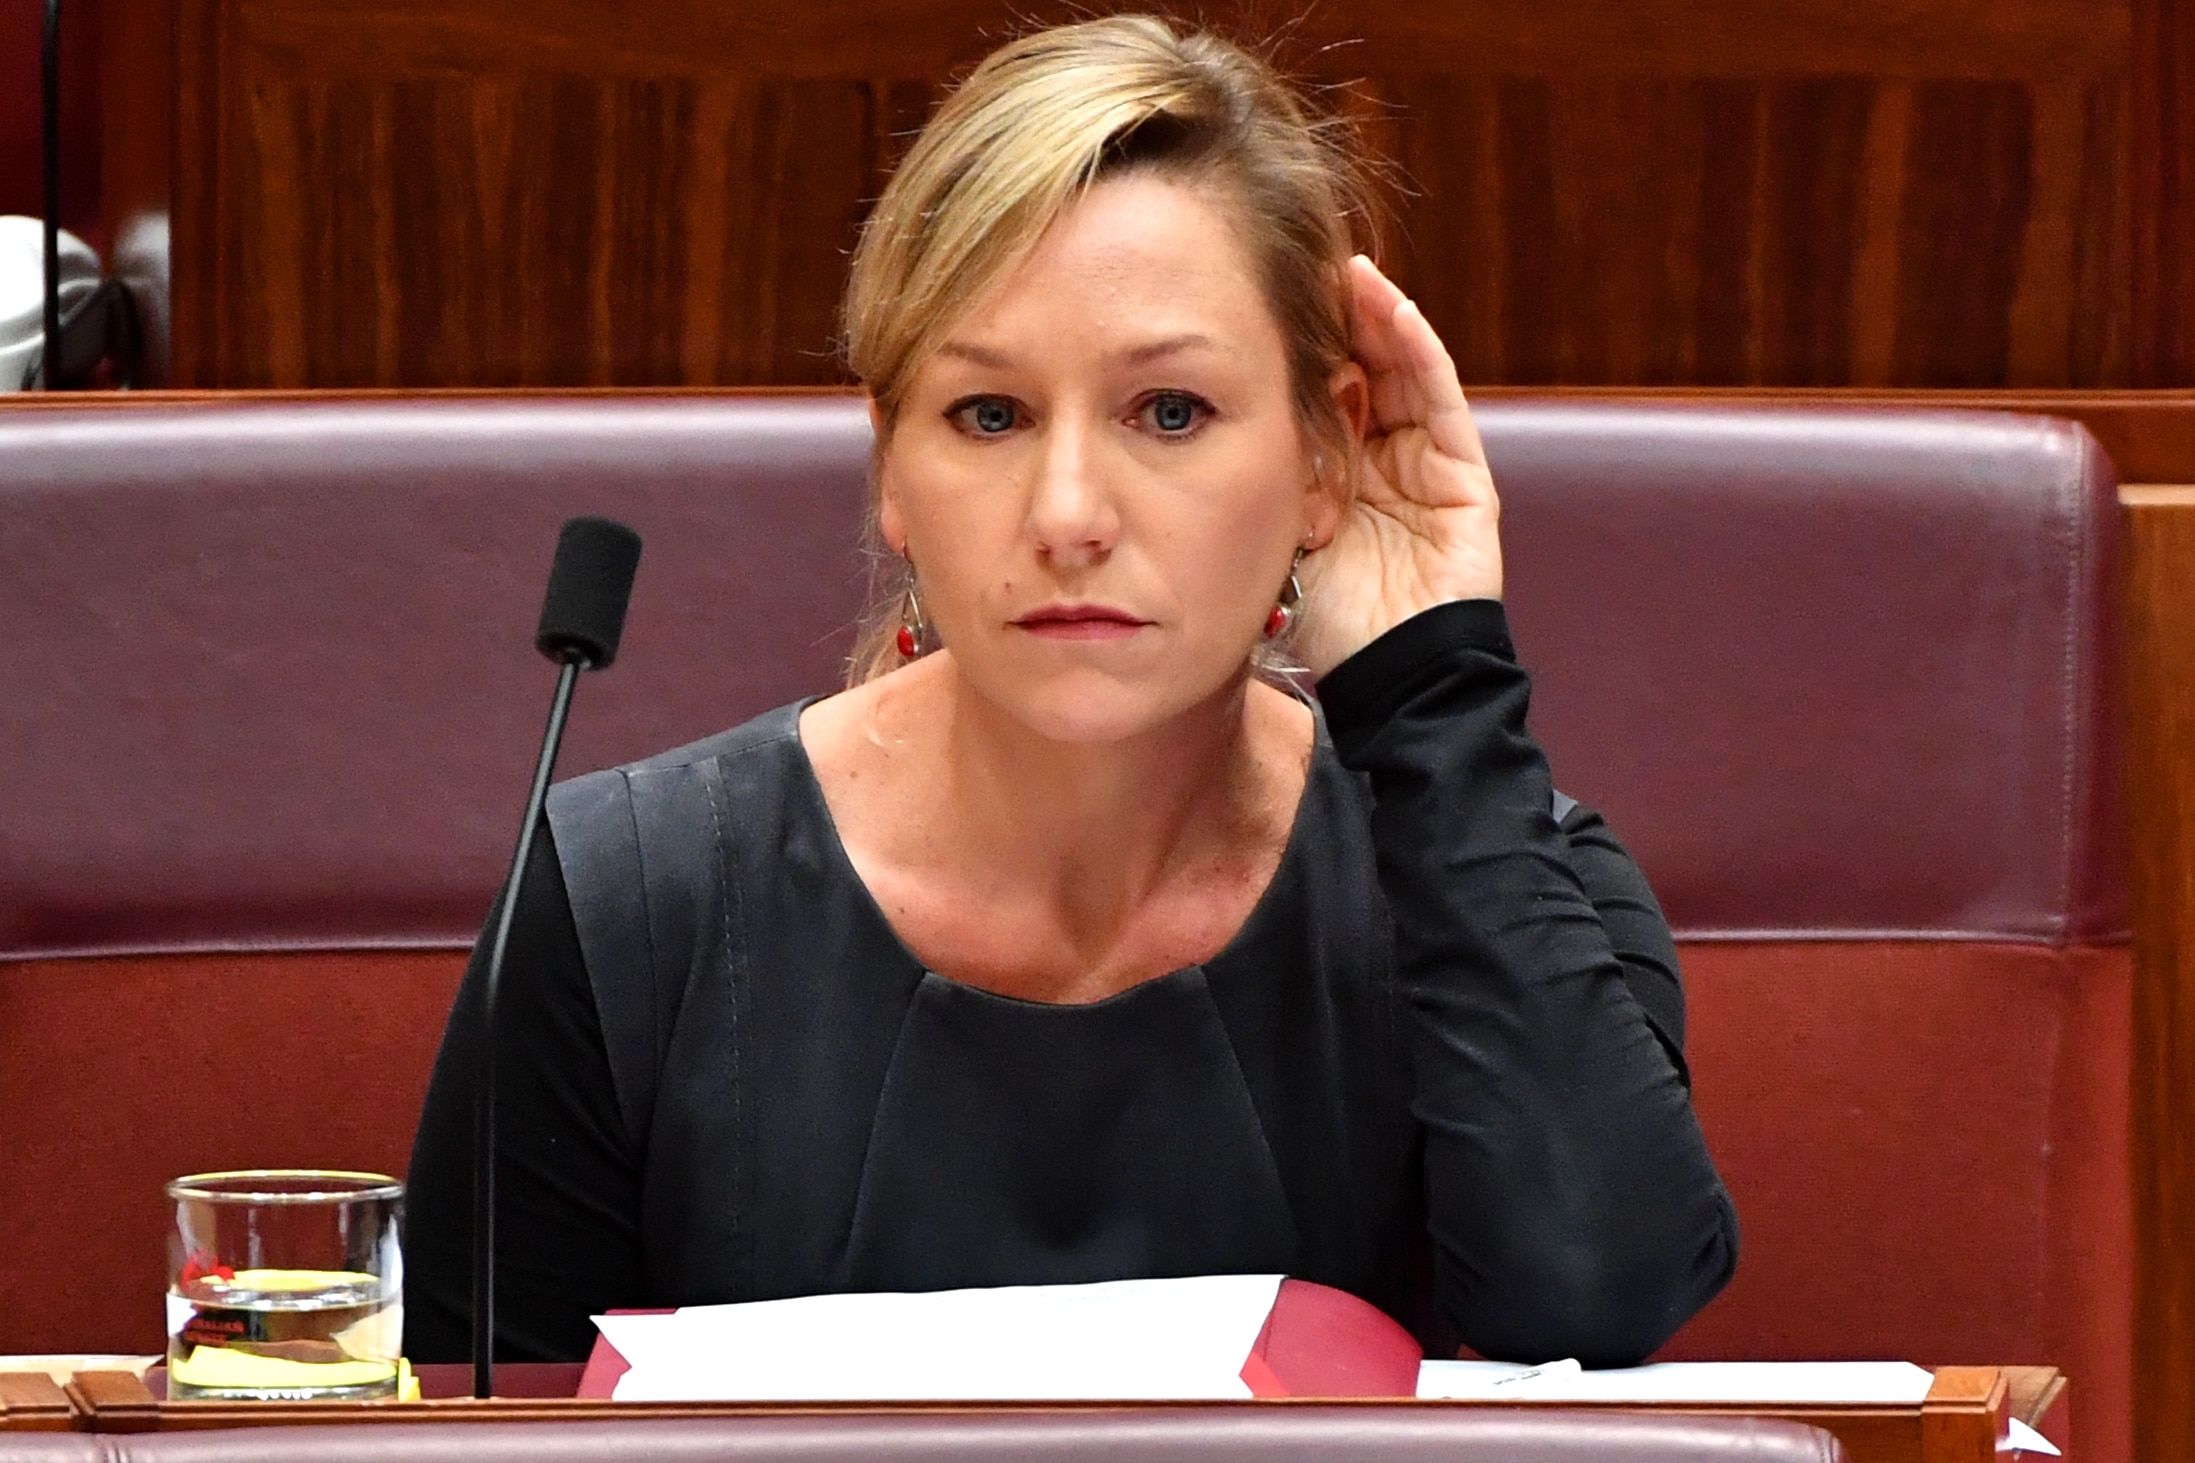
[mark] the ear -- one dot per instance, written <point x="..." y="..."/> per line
<point x="1333" y="484"/>
<point x="1352" y="393"/>
<point x="891" y="524"/>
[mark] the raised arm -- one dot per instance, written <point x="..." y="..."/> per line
<point x="1573" y="1205"/>
<point x="1574" y="1208"/>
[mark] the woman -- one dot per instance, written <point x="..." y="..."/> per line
<point x="1061" y="946"/>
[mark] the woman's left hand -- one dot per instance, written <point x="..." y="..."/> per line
<point x="1421" y="528"/>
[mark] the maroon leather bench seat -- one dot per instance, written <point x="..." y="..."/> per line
<point x="1845" y="681"/>
<point x="1248" y="1435"/>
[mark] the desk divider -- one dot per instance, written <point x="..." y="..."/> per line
<point x="34" y="1402"/>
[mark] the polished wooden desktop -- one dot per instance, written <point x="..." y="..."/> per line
<point x="1961" y="1421"/>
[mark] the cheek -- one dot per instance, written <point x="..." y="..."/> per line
<point x="1260" y="513"/>
<point x="926" y="509"/>
<point x="1226" y="553"/>
<point x="953" y="524"/>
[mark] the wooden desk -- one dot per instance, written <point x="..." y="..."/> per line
<point x="1960" y="1422"/>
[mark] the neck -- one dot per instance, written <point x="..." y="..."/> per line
<point x="1091" y="829"/>
<point x="1058" y="870"/>
<point x="1133" y="803"/>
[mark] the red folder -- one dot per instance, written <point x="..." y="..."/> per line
<point x="1317" y="1342"/>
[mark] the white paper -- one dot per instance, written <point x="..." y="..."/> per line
<point x="2023" y="1439"/>
<point x="1762" y="1382"/>
<point x="1119" y="1339"/>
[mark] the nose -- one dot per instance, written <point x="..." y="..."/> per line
<point x="1073" y="518"/>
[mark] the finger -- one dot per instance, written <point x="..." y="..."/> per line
<point x="1372" y="300"/>
<point x="1372" y="338"/>
<point x="1373" y="282"/>
<point x="1413" y="378"/>
<point x="1377" y="347"/>
<point x="1433" y="385"/>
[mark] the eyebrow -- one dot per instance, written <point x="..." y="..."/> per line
<point x="1169" y="345"/>
<point x="1149" y="351"/>
<point x="980" y="355"/>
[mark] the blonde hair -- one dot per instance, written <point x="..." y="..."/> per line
<point x="1034" y="125"/>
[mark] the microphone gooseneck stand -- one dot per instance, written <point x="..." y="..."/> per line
<point x="582" y="616"/>
<point x="484" y="1090"/>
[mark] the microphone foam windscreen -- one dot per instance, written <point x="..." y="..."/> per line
<point x="589" y="585"/>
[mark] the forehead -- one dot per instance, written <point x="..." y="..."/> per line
<point x="1134" y="259"/>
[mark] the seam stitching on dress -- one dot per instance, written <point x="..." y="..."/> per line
<point x="637" y="1130"/>
<point x="730" y="885"/>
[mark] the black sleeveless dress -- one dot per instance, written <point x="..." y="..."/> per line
<point x="1453" y="1016"/>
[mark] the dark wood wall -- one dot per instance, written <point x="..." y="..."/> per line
<point x="1958" y="193"/>
<point x="2160" y="603"/>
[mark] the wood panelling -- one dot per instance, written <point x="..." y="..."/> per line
<point x="540" y="230"/>
<point x="2162" y="195"/>
<point x="927" y="37"/>
<point x="2161" y="772"/>
<point x="1929" y="193"/>
<point x="556" y="230"/>
<point x="1818" y="231"/>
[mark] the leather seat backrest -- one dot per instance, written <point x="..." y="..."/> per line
<point x="1839" y="673"/>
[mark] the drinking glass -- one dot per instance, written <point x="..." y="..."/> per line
<point x="285" y="1284"/>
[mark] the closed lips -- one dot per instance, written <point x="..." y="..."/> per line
<point x="1080" y="619"/>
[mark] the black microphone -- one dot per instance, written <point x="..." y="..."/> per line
<point x="592" y="578"/>
<point x="582" y="617"/>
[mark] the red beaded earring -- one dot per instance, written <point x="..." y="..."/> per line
<point x="1284" y="609"/>
<point x="913" y="631"/>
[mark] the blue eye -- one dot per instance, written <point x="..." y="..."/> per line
<point x="1175" y="413"/>
<point x="985" y="416"/>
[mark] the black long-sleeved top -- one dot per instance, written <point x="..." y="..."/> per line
<point x="1454" y="1013"/>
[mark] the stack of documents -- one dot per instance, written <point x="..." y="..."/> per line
<point x="1120" y="1339"/>
<point x="1765" y="1384"/>
<point x="1136" y="1340"/>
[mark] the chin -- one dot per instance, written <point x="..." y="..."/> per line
<point x="1091" y="709"/>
